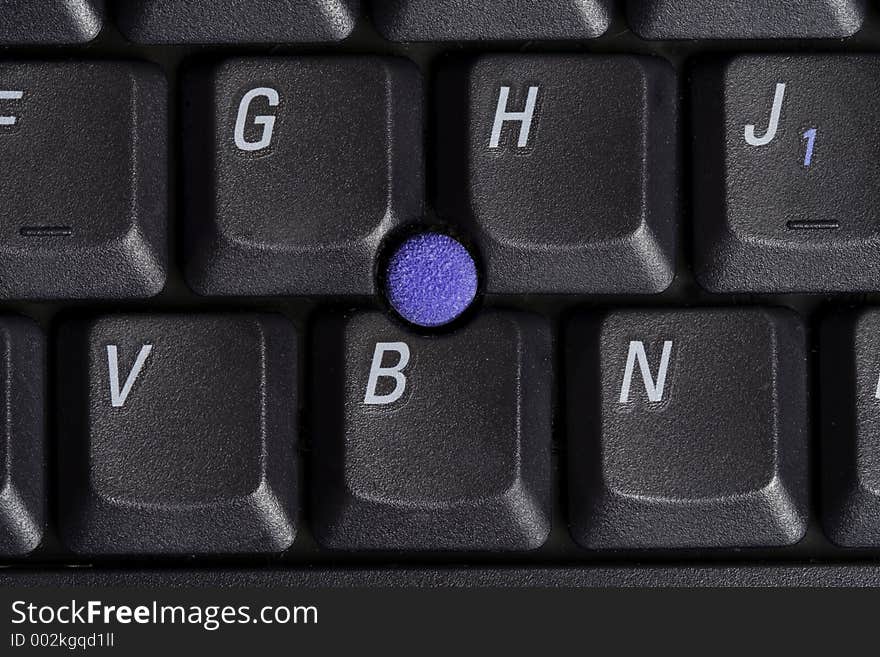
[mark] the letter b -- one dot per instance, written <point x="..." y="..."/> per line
<point x="377" y="372"/>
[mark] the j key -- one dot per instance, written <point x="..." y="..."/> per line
<point x="315" y="161"/>
<point x="745" y="19"/>
<point x="432" y="443"/>
<point x="179" y="435"/>
<point x="785" y="161"/>
<point x="233" y="21"/>
<point x="22" y="461"/>
<point x="687" y="429"/>
<point x="454" y="20"/>
<point x="564" y="170"/>
<point x="83" y="148"/>
<point x="70" y="21"/>
<point x="851" y="429"/>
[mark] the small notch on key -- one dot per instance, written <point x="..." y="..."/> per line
<point x="46" y="231"/>
<point x="813" y="224"/>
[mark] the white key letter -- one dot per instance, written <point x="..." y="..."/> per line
<point x="10" y="95"/>
<point x="525" y="117"/>
<point x="877" y="390"/>
<point x="395" y="372"/>
<point x="268" y="122"/>
<point x="117" y="396"/>
<point x="652" y="388"/>
<point x="775" y="113"/>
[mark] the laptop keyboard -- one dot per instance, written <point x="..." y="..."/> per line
<point x="507" y="284"/>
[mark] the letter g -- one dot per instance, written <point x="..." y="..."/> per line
<point x="268" y="122"/>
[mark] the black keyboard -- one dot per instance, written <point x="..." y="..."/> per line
<point x="431" y="292"/>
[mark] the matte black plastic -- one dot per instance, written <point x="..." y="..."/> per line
<point x="589" y="204"/>
<point x="233" y="21"/>
<point x="747" y="574"/>
<point x="200" y="456"/>
<point x="815" y="560"/>
<point x="719" y="459"/>
<point x="461" y="461"/>
<point x="308" y="213"/>
<point x="464" y="20"/>
<point x="851" y="428"/>
<point x="746" y="19"/>
<point x="22" y="438"/>
<point x="84" y="184"/>
<point x="50" y="22"/>
<point x="764" y="221"/>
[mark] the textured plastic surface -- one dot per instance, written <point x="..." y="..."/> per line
<point x="850" y="429"/>
<point x="746" y="19"/>
<point x="51" y="22"/>
<point x="717" y="459"/>
<point x="813" y="561"/>
<point x="22" y="440"/>
<point x="588" y="205"/>
<point x="85" y="205"/>
<point x="233" y="21"/>
<point x="764" y="219"/>
<point x="200" y="455"/>
<point x="430" y="279"/>
<point x="712" y="575"/>
<point x="461" y="20"/>
<point x="461" y="461"/>
<point x="307" y="214"/>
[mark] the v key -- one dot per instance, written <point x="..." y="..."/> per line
<point x="117" y="396"/>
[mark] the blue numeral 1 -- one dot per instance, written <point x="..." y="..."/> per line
<point x="810" y="136"/>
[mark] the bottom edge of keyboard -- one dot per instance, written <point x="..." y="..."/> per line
<point x="789" y="575"/>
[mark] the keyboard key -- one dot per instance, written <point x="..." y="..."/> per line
<point x="83" y="147"/>
<point x="687" y="429"/>
<point x="315" y="161"/>
<point x="22" y="459"/>
<point x="25" y="22"/>
<point x="454" y="20"/>
<point x="233" y="21"/>
<point x="850" y="388"/>
<point x="785" y="150"/>
<point x="564" y="170"/>
<point x="178" y="435"/>
<point x="745" y="19"/>
<point x="432" y="443"/>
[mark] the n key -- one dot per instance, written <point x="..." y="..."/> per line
<point x="687" y="429"/>
<point x="564" y="170"/>
<point x="83" y="152"/>
<point x="785" y="155"/>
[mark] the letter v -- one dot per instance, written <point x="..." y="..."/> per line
<point x="117" y="396"/>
